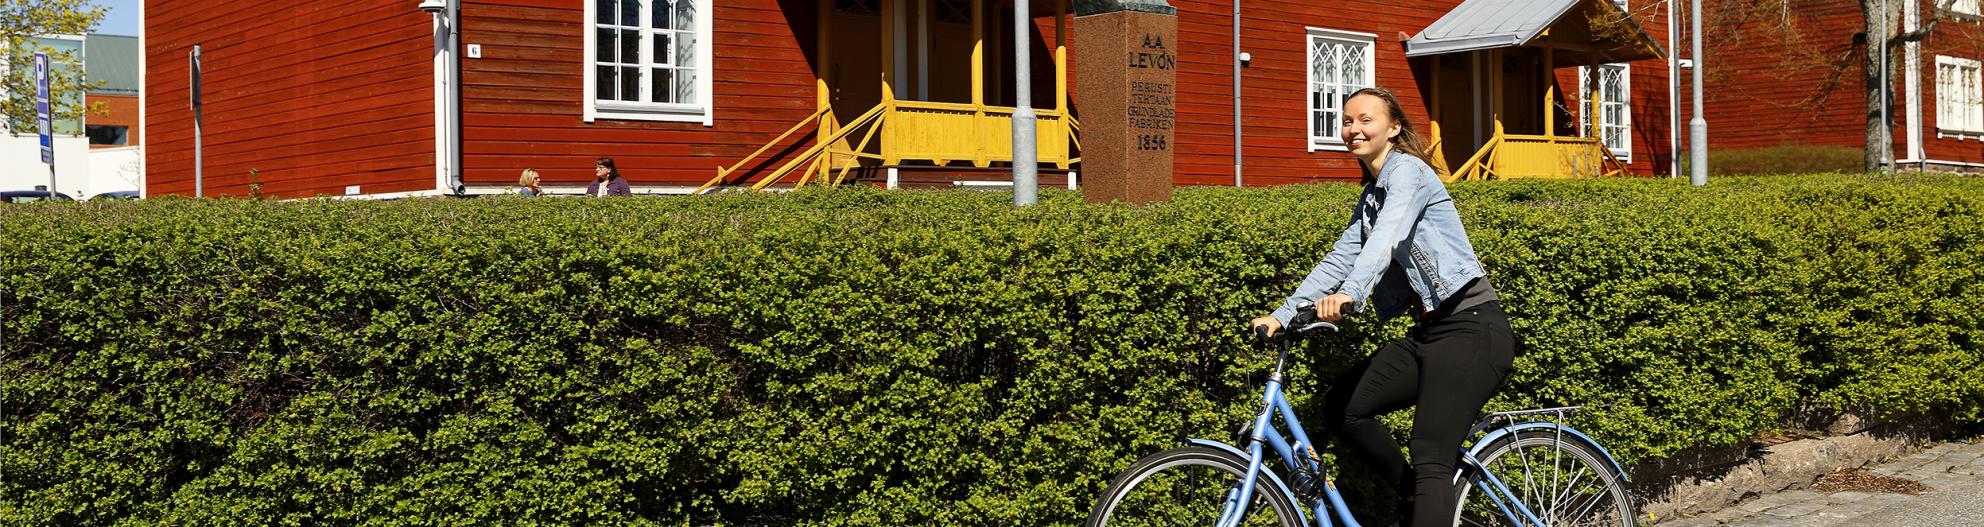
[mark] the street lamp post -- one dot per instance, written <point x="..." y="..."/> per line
<point x="1026" y="176"/>
<point x="1698" y="127"/>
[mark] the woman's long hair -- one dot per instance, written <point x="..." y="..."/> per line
<point x="1408" y="139"/>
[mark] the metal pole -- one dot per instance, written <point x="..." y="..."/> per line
<point x="1026" y="177"/>
<point x="1237" y="144"/>
<point x="198" y="175"/>
<point x="1698" y="127"/>
<point x="1673" y="92"/>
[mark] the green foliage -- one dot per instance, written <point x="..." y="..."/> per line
<point x="23" y="26"/>
<point x="1790" y="158"/>
<point x="867" y="357"/>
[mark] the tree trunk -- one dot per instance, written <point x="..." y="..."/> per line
<point x="1876" y="130"/>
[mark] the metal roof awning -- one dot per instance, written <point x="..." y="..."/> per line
<point x="1593" y="31"/>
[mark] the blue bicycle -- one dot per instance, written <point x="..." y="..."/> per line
<point x="1521" y="471"/>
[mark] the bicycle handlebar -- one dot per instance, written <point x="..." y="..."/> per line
<point x="1303" y="322"/>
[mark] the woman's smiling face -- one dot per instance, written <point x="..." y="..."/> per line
<point x="1368" y="128"/>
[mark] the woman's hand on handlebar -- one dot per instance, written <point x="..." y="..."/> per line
<point x="1331" y="308"/>
<point x="1265" y="326"/>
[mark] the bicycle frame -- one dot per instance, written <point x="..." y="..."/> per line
<point x="1274" y="402"/>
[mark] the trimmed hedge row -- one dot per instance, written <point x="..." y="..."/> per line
<point x="884" y="358"/>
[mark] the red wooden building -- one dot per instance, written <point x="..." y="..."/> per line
<point x="380" y="98"/>
<point x="1794" y="75"/>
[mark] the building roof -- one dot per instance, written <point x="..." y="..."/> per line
<point x="1488" y="24"/>
<point x="112" y="59"/>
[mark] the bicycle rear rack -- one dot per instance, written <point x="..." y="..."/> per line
<point x="1558" y="415"/>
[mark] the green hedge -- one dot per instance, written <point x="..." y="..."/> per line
<point x="1787" y="158"/>
<point x="884" y="358"/>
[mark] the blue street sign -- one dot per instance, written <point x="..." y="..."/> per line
<point x="41" y="114"/>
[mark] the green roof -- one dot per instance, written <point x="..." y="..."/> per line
<point x="112" y="59"/>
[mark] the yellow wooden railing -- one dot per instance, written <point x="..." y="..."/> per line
<point x="943" y="132"/>
<point x="1549" y="156"/>
<point x="915" y="130"/>
<point x="1515" y="156"/>
<point x="870" y="120"/>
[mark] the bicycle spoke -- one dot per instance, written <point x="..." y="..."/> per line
<point x="1528" y="476"/>
<point x="1596" y="498"/>
<point x="1189" y="486"/>
<point x="1578" y="490"/>
<point x="1556" y="455"/>
<point x="1564" y="492"/>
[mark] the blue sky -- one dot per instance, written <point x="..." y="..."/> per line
<point x="121" y="19"/>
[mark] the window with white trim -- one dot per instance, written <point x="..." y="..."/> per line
<point x="1613" y="95"/>
<point x="648" y="60"/>
<point x="1959" y="103"/>
<point x="1340" y="63"/>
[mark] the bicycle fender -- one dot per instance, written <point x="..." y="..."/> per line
<point x="1267" y="475"/>
<point x="1573" y="432"/>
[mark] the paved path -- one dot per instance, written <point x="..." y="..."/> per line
<point x="1954" y="473"/>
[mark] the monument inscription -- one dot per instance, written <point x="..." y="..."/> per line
<point x="1126" y="81"/>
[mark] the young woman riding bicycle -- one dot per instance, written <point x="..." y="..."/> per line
<point x="1405" y="252"/>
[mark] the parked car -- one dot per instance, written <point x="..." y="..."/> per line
<point x="116" y="194"/>
<point x="25" y="196"/>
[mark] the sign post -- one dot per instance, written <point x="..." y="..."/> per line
<point x="42" y="119"/>
<point x="193" y="69"/>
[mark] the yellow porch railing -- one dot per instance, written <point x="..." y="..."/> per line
<point x="1514" y="156"/>
<point x="1549" y="156"/>
<point x="913" y="130"/>
<point x="945" y="132"/>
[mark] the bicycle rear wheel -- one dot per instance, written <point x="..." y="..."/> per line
<point x="1563" y="480"/>
<point x="1187" y="486"/>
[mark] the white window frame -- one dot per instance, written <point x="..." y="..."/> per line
<point x="701" y="111"/>
<point x="1331" y="139"/>
<point x="1959" y="104"/>
<point x="1625" y="107"/>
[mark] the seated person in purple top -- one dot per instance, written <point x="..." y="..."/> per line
<point x="608" y="181"/>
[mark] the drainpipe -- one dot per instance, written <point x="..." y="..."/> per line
<point x="1237" y="143"/>
<point x="447" y="91"/>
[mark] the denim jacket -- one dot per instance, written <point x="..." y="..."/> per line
<point x="1404" y="218"/>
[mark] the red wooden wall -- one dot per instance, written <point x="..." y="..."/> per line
<point x="523" y="100"/>
<point x="309" y="96"/>
<point x="1763" y="87"/>
<point x="1274" y="86"/>
<point x="1796" y="76"/>
<point x="1960" y="39"/>
<point x="317" y="96"/>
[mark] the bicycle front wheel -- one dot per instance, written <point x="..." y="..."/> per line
<point x="1188" y="486"/>
<point x="1562" y="480"/>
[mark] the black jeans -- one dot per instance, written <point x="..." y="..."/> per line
<point x="1450" y="364"/>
